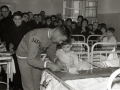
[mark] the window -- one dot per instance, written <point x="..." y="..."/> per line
<point x="86" y="8"/>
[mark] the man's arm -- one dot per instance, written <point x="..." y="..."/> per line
<point x="33" y="50"/>
<point x="51" y="52"/>
<point x="34" y="53"/>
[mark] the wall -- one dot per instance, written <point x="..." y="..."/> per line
<point x="109" y="13"/>
<point x="49" y="6"/>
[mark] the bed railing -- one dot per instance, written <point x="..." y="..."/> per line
<point x="104" y="51"/>
<point x="80" y="38"/>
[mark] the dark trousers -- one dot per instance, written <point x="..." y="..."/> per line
<point x="17" y="77"/>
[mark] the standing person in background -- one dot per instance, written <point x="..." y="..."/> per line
<point x="6" y="22"/>
<point x="29" y="54"/>
<point x="43" y="14"/>
<point x="19" y="29"/>
<point x="43" y="23"/>
<point x="31" y="23"/>
<point x="60" y="22"/>
<point x="25" y="17"/>
<point x="30" y="16"/>
<point x="53" y="18"/>
<point x="59" y="16"/>
<point x="37" y="21"/>
<point x="49" y="22"/>
<point x="1" y="16"/>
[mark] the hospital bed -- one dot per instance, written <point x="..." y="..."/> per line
<point x="92" y="39"/>
<point x="85" y="80"/>
<point x="79" y="38"/>
<point x="7" y="61"/>
<point x="107" y="51"/>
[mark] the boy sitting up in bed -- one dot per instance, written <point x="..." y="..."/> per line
<point x="109" y="38"/>
<point x="70" y="59"/>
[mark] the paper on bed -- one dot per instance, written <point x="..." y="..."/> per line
<point x="73" y="70"/>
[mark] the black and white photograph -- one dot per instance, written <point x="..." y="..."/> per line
<point x="59" y="44"/>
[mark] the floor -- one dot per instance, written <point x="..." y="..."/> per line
<point x="3" y="86"/>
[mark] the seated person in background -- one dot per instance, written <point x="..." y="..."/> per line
<point x="103" y="29"/>
<point x="84" y="30"/>
<point x="79" y="19"/>
<point x="90" y="26"/>
<point x="74" y="27"/>
<point x="95" y="30"/>
<point x="68" y="23"/>
<point x="68" y="57"/>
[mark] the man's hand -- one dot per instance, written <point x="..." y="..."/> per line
<point x="59" y="63"/>
<point x="53" y="67"/>
<point x="11" y="46"/>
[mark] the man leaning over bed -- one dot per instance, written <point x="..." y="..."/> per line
<point x="29" y="50"/>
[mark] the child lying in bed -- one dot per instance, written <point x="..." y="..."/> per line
<point x="69" y="58"/>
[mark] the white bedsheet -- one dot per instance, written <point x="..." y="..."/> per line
<point x="80" y="84"/>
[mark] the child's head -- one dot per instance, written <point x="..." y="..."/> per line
<point x="90" y="26"/>
<point x="48" y="20"/>
<point x="68" y="21"/>
<point x="74" y="24"/>
<point x="25" y="17"/>
<point x="17" y="18"/>
<point x="110" y="32"/>
<point x="60" y="22"/>
<point x="103" y="29"/>
<point x="95" y="25"/>
<point x="84" y="22"/>
<point x="66" y="45"/>
<point x="79" y="18"/>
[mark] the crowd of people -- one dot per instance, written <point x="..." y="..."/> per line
<point x="14" y="26"/>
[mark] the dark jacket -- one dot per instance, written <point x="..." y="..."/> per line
<point x="18" y="33"/>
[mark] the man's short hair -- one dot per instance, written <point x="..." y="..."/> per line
<point x="35" y="15"/>
<point x="103" y="27"/>
<point x="48" y="17"/>
<point x="69" y="19"/>
<point x="84" y="20"/>
<point x="61" y="20"/>
<point x="18" y="13"/>
<point x="111" y="29"/>
<point x="80" y="16"/>
<point x="4" y="6"/>
<point x="68" y="41"/>
<point x="64" y="31"/>
<point x="53" y="16"/>
<point x="25" y="13"/>
<point x="74" y="23"/>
